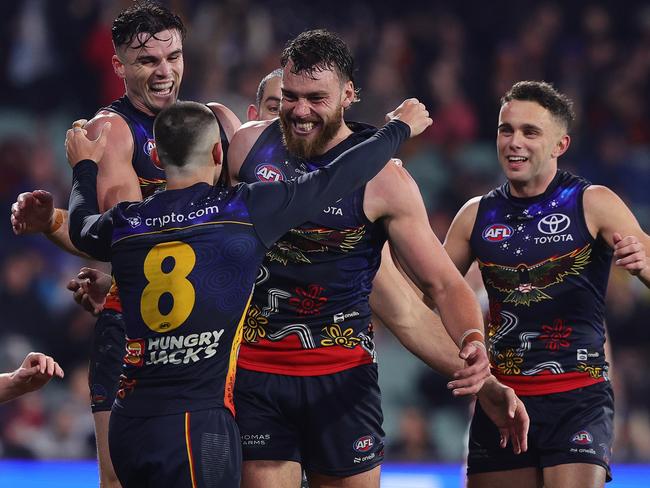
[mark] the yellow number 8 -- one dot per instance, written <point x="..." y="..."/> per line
<point x="173" y="282"/>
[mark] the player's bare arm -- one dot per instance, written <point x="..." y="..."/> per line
<point x="458" y="236"/>
<point x="241" y="144"/>
<point x="394" y="197"/>
<point x="35" y="372"/>
<point x="508" y="413"/>
<point x="116" y="178"/>
<point x="610" y="218"/>
<point x="229" y="121"/>
<point x="417" y="327"/>
<point x="34" y="212"/>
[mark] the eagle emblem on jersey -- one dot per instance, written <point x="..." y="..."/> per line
<point x="297" y="243"/>
<point x="149" y="186"/>
<point x="524" y="283"/>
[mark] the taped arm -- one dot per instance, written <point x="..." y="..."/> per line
<point x="414" y="324"/>
<point x="396" y="197"/>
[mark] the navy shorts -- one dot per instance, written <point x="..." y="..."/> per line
<point x="331" y="424"/>
<point x="198" y="449"/>
<point x="106" y="356"/>
<point x="574" y="426"/>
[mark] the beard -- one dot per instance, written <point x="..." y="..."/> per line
<point x="306" y="148"/>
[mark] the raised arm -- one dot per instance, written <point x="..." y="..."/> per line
<point x="608" y="217"/>
<point x="34" y="212"/>
<point x="90" y="231"/>
<point x="279" y="206"/>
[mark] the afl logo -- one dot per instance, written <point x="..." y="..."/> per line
<point x="268" y="172"/>
<point x="364" y="444"/>
<point x="554" y="224"/>
<point x="148" y="146"/>
<point x="497" y="233"/>
<point x="582" y="438"/>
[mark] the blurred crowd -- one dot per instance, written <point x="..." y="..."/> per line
<point x="55" y="67"/>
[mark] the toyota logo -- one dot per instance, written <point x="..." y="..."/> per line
<point x="554" y="224"/>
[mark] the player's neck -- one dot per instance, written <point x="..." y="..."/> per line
<point x="342" y="134"/>
<point x="532" y="187"/>
<point x="177" y="180"/>
<point x="139" y="105"/>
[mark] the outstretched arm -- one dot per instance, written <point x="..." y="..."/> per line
<point x="35" y="372"/>
<point x="279" y="206"/>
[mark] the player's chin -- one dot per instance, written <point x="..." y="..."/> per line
<point x="161" y="101"/>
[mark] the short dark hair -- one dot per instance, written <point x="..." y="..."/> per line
<point x="179" y="128"/>
<point x="318" y="50"/>
<point x="559" y="105"/>
<point x="276" y="73"/>
<point x="144" y="17"/>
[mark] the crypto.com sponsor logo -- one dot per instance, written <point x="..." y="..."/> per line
<point x="176" y="218"/>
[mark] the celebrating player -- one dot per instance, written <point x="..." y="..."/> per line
<point x="544" y="242"/>
<point x="185" y="261"/>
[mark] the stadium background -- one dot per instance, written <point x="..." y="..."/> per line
<point x="55" y="67"/>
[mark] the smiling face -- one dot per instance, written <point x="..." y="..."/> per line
<point x="311" y="111"/>
<point x="529" y="141"/>
<point x="270" y="103"/>
<point x="152" y="73"/>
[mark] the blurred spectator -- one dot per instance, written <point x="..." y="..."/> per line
<point x="414" y="443"/>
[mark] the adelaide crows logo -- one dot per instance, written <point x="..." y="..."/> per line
<point x="524" y="283"/>
<point x="297" y="243"/>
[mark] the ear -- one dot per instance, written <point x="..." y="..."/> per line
<point x="252" y="112"/>
<point x="156" y="158"/>
<point x="217" y="154"/>
<point x="118" y="66"/>
<point x="562" y="146"/>
<point x="348" y="94"/>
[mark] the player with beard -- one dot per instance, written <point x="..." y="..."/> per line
<point x="201" y="246"/>
<point x="148" y="41"/>
<point x="307" y="388"/>
<point x="544" y="242"/>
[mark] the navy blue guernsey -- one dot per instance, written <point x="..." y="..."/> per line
<point x="310" y="313"/>
<point x="150" y="177"/>
<point x="185" y="262"/>
<point x="546" y="278"/>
